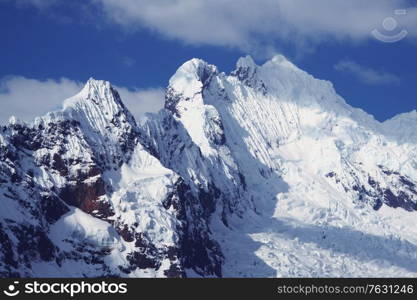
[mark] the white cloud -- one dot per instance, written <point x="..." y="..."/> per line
<point x="367" y="75"/>
<point x="247" y="24"/>
<point x="253" y="26"/>
<point x="27" y="98"/>
<point x="141" y="101"/>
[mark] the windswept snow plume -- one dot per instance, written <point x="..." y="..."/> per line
<point x="263" y="172"/>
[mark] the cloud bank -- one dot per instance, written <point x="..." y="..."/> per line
<point x="142" y="101"/>
<point x="256" y="27"/>
<point x="28" y="98"/>
<point x="246" y="24"/>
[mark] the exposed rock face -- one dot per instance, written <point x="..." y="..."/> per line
<point x="77" y="164"/>
<point x="263" y="172"/>
<point x="273" y="145"/>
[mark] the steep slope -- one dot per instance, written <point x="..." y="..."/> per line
<point x="262" y="172"/>
<point x="81" y="196"/>
<point x="319" y="188"/>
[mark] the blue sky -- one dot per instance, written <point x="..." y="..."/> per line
<point x="50" y="47"/>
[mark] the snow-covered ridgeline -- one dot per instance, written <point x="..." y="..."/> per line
<point x="301" y="157"/>
<point x="262" y="172"/>
<point x="82" y="197"/>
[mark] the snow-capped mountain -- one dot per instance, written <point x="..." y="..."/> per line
<point x="262" y="172"/>
<point x="81" y="196"/>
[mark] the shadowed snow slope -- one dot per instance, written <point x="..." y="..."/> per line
<point x="323" y="189"/>
<point x="81" y="196"/>
<point x="264" y="172"/>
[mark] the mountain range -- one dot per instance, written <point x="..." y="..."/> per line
<point x="263" y="172"/>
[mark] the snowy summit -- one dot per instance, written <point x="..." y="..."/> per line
<point x="263" y="172"/>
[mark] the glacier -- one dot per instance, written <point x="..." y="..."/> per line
<point x="263" y="172"/>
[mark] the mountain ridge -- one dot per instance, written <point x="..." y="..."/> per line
<point x="262" y="172"/>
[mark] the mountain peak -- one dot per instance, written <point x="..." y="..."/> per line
<point x="280" y="59"/>
<point x="245" y="62"/>
<point x="13" y="120"/>
<point x="93" y="89"/>
<point x="191" y="77"/>
<point x="249" y="72"/>
<point x="402" y="126"/>
<point x="94" y="83"/>
<point x="194" y="69"/>
<point x="98" y="96"/>
<point x="282" y="63"/>
<point x="245" y="68"/>
<point x="99" y="107"/>
<point x="268" y="150"/>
